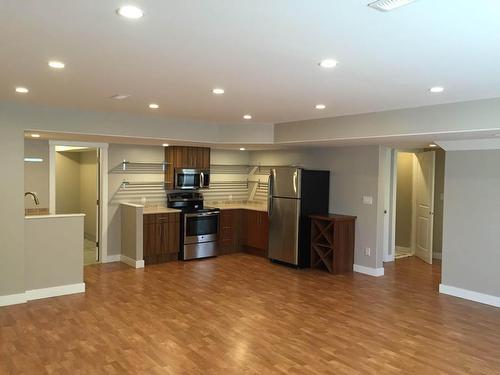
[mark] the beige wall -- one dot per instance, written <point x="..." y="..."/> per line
<point x="404" y="199"/>
<point x="36" y="175"/>
<point x="437" y="244"/>
<point x="88" y="191"/>
<point x="68" y="183"/>
<point x="76" y="186"/>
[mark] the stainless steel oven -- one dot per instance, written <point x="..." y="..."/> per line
<point x="191" y="179"/>
<point x="201" y="230"/>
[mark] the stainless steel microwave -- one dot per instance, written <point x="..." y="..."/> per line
<point x="190" y="179"/>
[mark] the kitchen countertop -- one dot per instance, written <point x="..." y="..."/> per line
<point x="151" y="210"/>
<point x="235" y="205"/>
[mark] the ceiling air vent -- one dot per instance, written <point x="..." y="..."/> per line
<point x="388" y="5"/>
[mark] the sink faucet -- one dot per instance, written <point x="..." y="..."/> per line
<point x="34" y="196"/>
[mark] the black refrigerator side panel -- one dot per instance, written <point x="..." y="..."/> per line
<point x="315" y="194"/>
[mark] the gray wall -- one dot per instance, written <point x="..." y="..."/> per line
<point x="54" y="252"/>
<point x="354" y="173"/>
<point x="132" y="220"/>
<point x="437" y="237"/>
<point x="12" y="212"/>
<point x="475" y="115"/>
<point x="471" y="250"/>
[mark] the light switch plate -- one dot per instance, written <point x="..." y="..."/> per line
<point x="367" y="200"/>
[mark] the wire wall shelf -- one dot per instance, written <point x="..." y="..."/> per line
<point x="140" y="167"/>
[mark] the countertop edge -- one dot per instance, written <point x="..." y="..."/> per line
<point x="60" y="216"/>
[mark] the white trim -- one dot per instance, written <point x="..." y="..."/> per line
<point x="487" y="299"/>
<point x="103" y="219"/>
<point x="13" y="299"/>
<point x="55" y="291"/>
<point x="369" y="270"/>
<point x="112" y="258"/>
<point x="132" y="262"/>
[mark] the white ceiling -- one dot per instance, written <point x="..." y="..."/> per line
<point x="263" y="52"/>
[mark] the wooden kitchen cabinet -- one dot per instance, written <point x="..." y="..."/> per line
<point x="256" y="232"/>
<point x="161" y="234"/>
<point x="184" y="157"/>
<point x="230" y="231"/>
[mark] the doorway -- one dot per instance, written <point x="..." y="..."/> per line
<point x="78" y="185"/>
<point x="418" y="181"/>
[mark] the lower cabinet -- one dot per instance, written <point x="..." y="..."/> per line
<point x="230" y="231"/>
<point x="246" y="230"/>
<point x="257" y="230"/>
<point x="161" y="238"/>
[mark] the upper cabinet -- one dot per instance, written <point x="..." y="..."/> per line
<point x="185" y="157"/>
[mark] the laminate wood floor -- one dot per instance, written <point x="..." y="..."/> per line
<point x="240" y="314"/>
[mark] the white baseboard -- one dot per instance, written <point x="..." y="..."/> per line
<point x="369" y="271"/>
<point x="13" y="299"/>
<point x="487" y="299"/>
<point x="55" y="291"/>
<point x="112" y="258"/>
<point x="31" y="295"/>
<point x="132" y="262"/>
<point x="389" y="258"/>
<point x="404" y="249"/>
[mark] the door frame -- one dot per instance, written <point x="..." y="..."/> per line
<point x="389" y="254"/>
<point x="432" y="205"/>
<point x="102" y="148"/>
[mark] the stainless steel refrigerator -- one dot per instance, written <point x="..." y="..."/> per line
<point x="294" y="194"/>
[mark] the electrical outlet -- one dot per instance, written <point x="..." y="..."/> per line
<point x="367" y="200"/>
<point x="367" y="251"/>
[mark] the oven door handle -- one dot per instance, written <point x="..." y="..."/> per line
<point x="202" y="214"/>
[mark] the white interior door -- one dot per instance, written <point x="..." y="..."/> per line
<point x="424" y="202"/>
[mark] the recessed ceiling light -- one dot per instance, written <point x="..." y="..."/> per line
<point x="33" y="160"/>
<point x="56" y="64"/>
<point x="130" y="11"/>
<point x="247" y="117"/>
<point x="35" y="135"/>
<point x="432" y="145"/>
<point x="154" y="106"/>
<point x="165" y="145"/>
<point x="436" y="89"/>
<point x="22" y="90"/>
<point x="218" y="91"/>
<point x="242" y="148"/>
<point x="328" y="63"/>
<point x="119" y="96"/>
<point x="320" y="106"/>
<point x="388" y="5"/>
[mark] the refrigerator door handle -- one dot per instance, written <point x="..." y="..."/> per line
<point x="270" y="195"/>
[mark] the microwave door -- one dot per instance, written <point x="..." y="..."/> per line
<point x="187" y="180"/>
